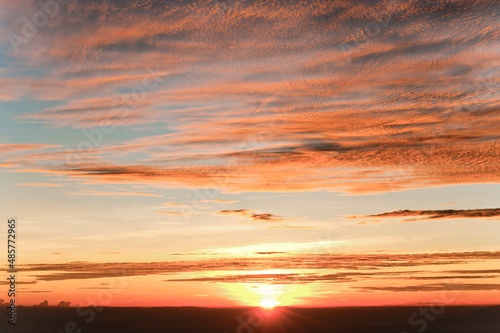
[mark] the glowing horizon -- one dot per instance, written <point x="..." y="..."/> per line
<point x="251" y="153"/>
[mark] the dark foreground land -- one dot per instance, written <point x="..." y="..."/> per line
<point x="255" y="320"/>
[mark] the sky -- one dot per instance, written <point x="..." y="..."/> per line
<point x="227" y="153"/>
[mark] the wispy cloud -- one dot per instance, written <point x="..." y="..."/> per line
<point x="219" y="201"/>
<point x="307" y="269"/>
<point x="437" y="287"/>
<point x="40" y="184"/>
<point x="455" y="203"/>
<point x="173" y="204"/>
<point x="12" y="148"/>
<point x="173" y="213"/>
<point x="102" y="193"/>
<point x="274" y="97"/>
<point x="438" y="214"/>
<point x="267" y="217"/>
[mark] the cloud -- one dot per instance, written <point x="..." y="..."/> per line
<point x="40" y="184"/>
<point x="454" y="277"/>
<point x="282" y="278"/>
<point x="90" y="114"/>
<point x="438" y="214"/>
<point x="351" y="265"/>
<point x="244" y="212"/>
<point x="63" y="304"/>
<point x="37" y="292"/>
<point x="479" y="271"/>
<point x="267" y="217"/>
<point x="266" y="96"/>
<point x="174" y="213"/>
<point x="17" y="282"/>
<point x="7" y="165"/>
<point x="173" y="204"/>
<point x="101" y="193"/>
<point x="44" y="304"/>
<point x="12" y="148"/>
<point x="219" y="201"/>
<point x="296" y="278"/>
<point x="436" y="287"/>
<point x="455" y="203"/>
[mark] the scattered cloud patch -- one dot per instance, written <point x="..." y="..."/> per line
<point x="249" y="213"/>
<point x="436" y="214"/>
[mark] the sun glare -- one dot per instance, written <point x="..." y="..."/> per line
<point x="266" y="296"/>
<point x="267" y="304"/>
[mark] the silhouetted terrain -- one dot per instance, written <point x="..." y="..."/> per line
<point x="254" y="320"/>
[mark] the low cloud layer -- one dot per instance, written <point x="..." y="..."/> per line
<point x="375" y="264"/>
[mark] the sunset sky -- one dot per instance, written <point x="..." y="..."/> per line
<point x="226" y="153"/>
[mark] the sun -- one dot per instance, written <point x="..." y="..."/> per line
<point x="267" y="304"/>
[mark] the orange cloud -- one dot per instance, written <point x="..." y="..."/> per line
<point x="101" y="193"/>
<point x="350" y="265"/>
<point x="289" y="97"/>
<point x="173" y="213"/>
<point x="12" y="148"/>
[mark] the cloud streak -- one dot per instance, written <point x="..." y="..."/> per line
<point x="354" y="273"/>
<point x="438" y="214"/>
<point x="40" y="184"/>
<point x="266" y="217"/>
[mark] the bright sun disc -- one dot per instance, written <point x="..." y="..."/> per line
<point x="267" y="304"/>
